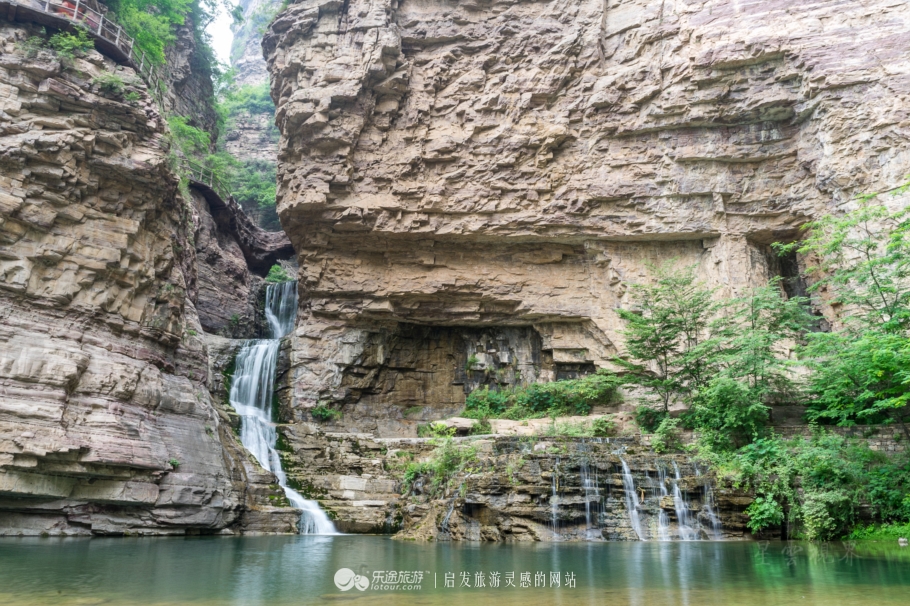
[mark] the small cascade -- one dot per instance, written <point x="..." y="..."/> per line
<point x="632" y="503"/>
<point x="648" y="501"/>
<point x="554" y="500"/>
<point x="686" y="532"/>
<point x="251" y="396"/>
<point x="708" y="508"/>
<point x="663" y="520"/>
<point x="281" y="308"/>
<point x="593" y="499"/>
<point x="444" y="526"/>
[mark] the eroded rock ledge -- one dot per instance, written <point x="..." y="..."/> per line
<point x="507" y="492"/>
<point x="107" y="425"/>
<point x="496" y="164"/>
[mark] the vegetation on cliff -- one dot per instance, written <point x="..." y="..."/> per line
<point x="575" y="396"/>
<point x="448" y="461"/>
<point x="152" y="23"/>
<point x="277" y="274"/>
<point x="821" y="487"/>
<point x="722" y="360"/>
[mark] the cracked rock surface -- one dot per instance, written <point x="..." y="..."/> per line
<point x="490" y="164"/>
<point x="107" y="425"/>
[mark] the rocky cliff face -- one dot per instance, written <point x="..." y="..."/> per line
<point x="513" y="489"/>
<point x="251" y="137"/>
<point x="189" y="80"/>
<point x="495" y="164"/>
<point x="106" y="422"/>
<point x="246" y="50"/>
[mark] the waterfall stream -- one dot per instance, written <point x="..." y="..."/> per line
<point x="554" y="500"/>
<point x="686" y="532"/>
<point x="632" y="504"/>
<point x="650" y="503"/>
<point x="252" y="391"/>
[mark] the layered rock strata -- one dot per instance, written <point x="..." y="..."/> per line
<point x="106" y="422"/>
<point x="501" y="164"/>
<point x="251" y="136"/>
<point x="233" y="255"/>
<point x="246" y="50"/>
<point x="513" y="490"/>
<point x="189" y="92"/>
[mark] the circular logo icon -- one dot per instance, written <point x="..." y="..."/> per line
<point x="346" y="578"/>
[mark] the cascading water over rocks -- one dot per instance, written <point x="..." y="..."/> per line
<point x="251" y="396"/>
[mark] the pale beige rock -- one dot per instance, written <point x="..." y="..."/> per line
<point x="107" y="425"/>
<point x="498" y="165"/>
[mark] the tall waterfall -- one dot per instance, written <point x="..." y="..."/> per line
<point x="252" y="391"/>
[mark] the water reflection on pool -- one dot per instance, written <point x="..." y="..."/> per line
<point x="275" y="571"/>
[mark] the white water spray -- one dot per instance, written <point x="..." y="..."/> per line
<point x="632" y="504"/>
<point x="251" y="396"/>
<point x="663" y="520"/>
<point x="686" y="532"/>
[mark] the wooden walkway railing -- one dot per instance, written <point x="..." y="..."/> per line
<point x="112" y="40"/>
<point x="202" y="175"/>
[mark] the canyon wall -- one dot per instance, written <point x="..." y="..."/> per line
<point x="513" y="489"/>
<point x="449" y="167"/>
<point x="188" y="73"/>
<point x="107" y="425"/>
<point x="251" y="136"/>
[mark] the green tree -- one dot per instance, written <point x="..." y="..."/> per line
<point x="71" y="45"/>
<point x="861" y="373"/>
<point x="151" y="22"/>
<point x="750" y="333"/>
<point x="666" y="334"/>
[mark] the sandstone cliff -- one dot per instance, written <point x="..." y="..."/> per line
<point x="190" y="92"/>
<point x="106" y="422"/>
<point x="451" y="171"/>
<point x="251" y="136"/>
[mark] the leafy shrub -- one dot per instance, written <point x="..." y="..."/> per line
<point x="32" y="45"/>
<point x="574" y="396"/>
<point x="816" y="482"/>
<point x="763" y="512"/>
<point x="666" y="436"/>
<point x="858" y="378"/>
<point x="881" y="532"/>
<point x="729" y="414"/>
<point x="481" y="427"/>
<point x="825" y="514"/>
<point x="110" y="83"/>
<point x="323" y="413"/>
<point x="489" y="402"/>
<point x="190" y="140"/>
<point x="648" y="419"/>
<point x="151" y="22"/>
<point x="569" y="429"/>
<point x="435" y="429"/>
<point x="470" y="363"/>
<point x="446" y="462"/>
<point x="71" y="45"/>
<point x="603" y="427"/>
<point x="278" y="274"/>
<point x="253" y="183"/>
<point x="249" y="99"/>
<point x="132" y="97"/>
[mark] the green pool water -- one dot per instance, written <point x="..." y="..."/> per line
<point x="275" y="571"/>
